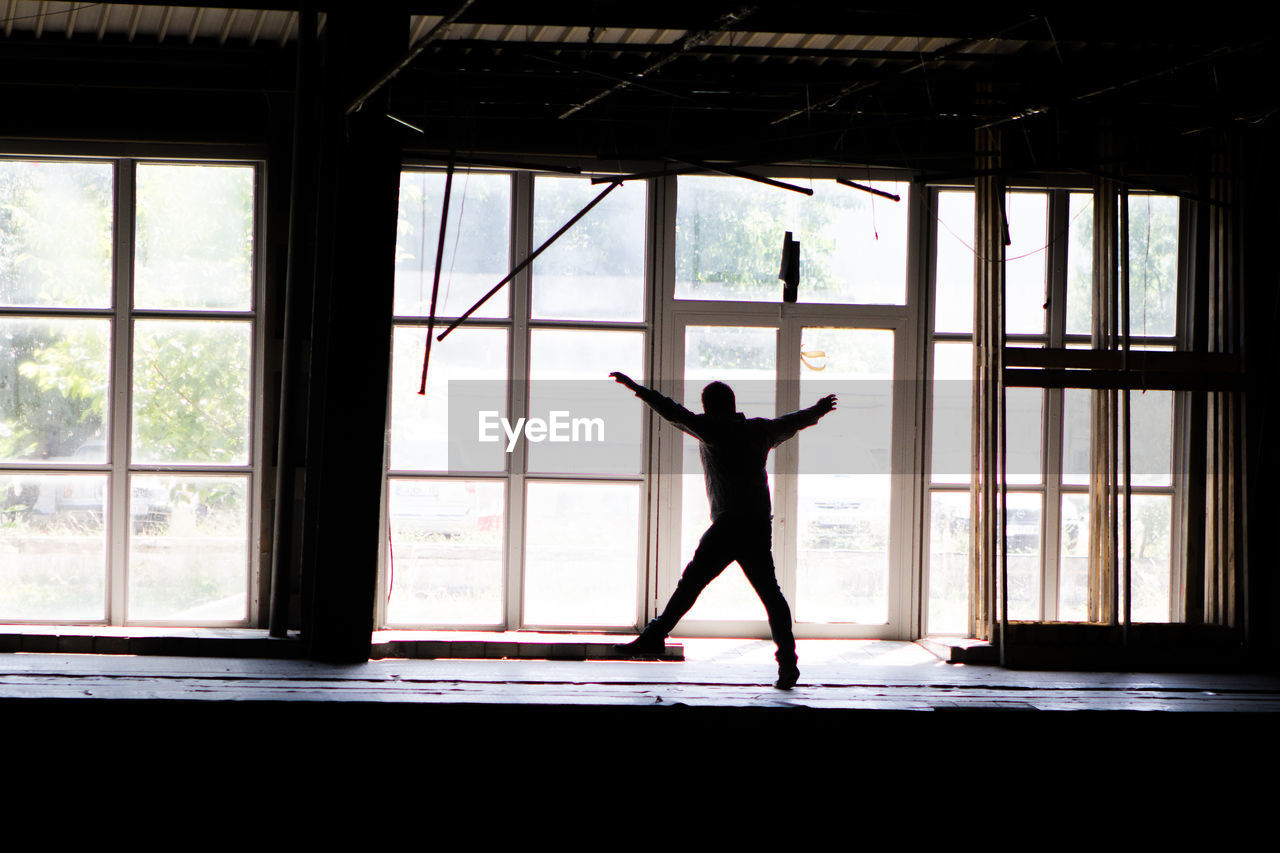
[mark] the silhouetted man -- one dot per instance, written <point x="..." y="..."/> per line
<point x="734" y="449"/>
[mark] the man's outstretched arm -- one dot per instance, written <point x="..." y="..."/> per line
<point x="663" y="405"/>
<point x="788" y="425"/>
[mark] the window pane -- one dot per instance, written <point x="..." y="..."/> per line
<point x="191" y="392"/>
<point x="1151" y="566"/>
<point x="746" y="358"/>
<point x="469" y="369"/>
<point x="952" y="412"/>
<point x="1153" y="265"/>
<point x="53" y="547"/>
<point x="1024" y="408"/>
<point x="953" y="305"/>
<point x="53" y="390"/>
<point x="1077" y="426"/>
<point x="1023" y="537"/>
<point x="1151" y="438"/>
<point x="189" y="552"/>
<point x="445" y="558"/>
<point x="55" y="234"/>
<point x="949" y="563"/>
<point x="581" y="554"/>
<point x="476" y="243"/>
<point x="1026" y="262"/>
<point x="595" y="271"/>
<point x="842" y="570"/>
<point x="569" y="374"/>
<point x="729" y="232"/>
<point x="1073" y="567"/>
<point x="1080" y="265"/>
<point x="194" y="234"/>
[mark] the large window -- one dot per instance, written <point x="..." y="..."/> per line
<point x="1049" y="262"/>
<point x="516" y="532"/>
<point x="841" y="490"/>
<point x="127" y="353"/>
<point x="675" y="282"/>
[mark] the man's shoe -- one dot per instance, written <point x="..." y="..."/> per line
<point x="642" y="646"/>
<point x="788" y="675"/>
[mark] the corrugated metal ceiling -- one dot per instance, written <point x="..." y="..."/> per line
<point x="159" y="23"/>
<point x="263" y="27"/>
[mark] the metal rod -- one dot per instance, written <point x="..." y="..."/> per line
<point x="436" y="32"/>
<point x="435" y="281"/>
<point x="520" y="266"/>
<point x="1126" y="556"/>
<point x="997" y="204"/>
<point x="668" y="172"/>
<point x="866" y="189"/>
<point x="405" y="123"/>
<point x="519" y="165"/>
<point x="300" y="266"/>
<point x="937" y="56"/>
<point x="738" y="173"/>
<point x="682" y="46"/>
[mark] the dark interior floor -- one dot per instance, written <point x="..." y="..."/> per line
<point x="854" y="675"/>
<point x="885" y="713"/>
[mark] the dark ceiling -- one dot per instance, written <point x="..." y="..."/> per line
<point x="879" y="84"/>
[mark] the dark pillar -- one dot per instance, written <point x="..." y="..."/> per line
<point x="351" y="331"/>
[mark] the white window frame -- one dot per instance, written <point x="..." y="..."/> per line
<point x="789" y="318"/>
<point x="122" y="315"/>
<point x="520" y="325"/>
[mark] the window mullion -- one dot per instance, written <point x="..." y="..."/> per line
<point x="121" y="383"/>
<point x="1051" y="553"/>
<point x="518" y="395"/>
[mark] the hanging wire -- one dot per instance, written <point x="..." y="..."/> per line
<point x="457" y="237"/>
<point x="1054" y="239"/>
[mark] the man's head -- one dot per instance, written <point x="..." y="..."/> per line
<point x="717" y="399"/>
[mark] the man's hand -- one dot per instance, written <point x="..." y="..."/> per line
<point x="826" y="404"/>
<point x="624" y="379"/>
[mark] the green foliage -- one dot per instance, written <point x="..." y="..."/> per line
<point x="729" y="237"/>
<point x="194" y="237"/>
<point x="53" y="386"/>
<point x="55" y="234"/>
<point x="1153" y="264"/>
<point x="191" y="391"/>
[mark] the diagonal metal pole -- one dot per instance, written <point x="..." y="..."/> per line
<point x="437" y="32"/>
<point x="738" y="173"/>
<point x="936" y="56"/>
<point x="866" y="189"/>
<point x="538" y="251"/>
<point x="435" y="282"/>
<point x="681" y="47"/>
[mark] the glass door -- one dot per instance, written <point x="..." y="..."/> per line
<point x="836" y="501"/>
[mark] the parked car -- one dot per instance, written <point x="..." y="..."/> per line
<point x="84" y="495"/>
<point x="445" y="507"/>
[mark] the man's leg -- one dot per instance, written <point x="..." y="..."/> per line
<point x="756" y="558"/>
<point x="714" y="553"/>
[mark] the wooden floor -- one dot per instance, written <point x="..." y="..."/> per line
<point x="887" y="716"/>
<point x="835" y="675"/>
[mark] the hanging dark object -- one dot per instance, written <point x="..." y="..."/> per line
<point x="866" y="189"/>
<point x="435" y="281"/>
<point x="790" y="270"/>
